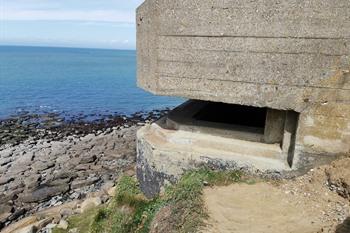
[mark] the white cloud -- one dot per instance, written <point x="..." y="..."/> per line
<point x="69" y="15"/>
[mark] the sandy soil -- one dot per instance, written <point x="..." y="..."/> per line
<point x="316" y="202"/>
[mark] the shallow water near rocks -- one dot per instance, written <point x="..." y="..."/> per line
<point x="72" y="82"/>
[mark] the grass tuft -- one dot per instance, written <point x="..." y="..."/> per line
<point x="130" y="211"/>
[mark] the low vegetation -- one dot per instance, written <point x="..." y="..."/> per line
<point x="179" y="209"/>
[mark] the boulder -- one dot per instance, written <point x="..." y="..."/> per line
<point x="21" y="224"/>
<point x="63" y="224"/>
<point x="88" y="159"/>
<point x="32" y="181"/>
<point x="90" y="203"/>
<point x="84" y="182"/>
<point x="111" y="192"/>
<point x="5" y="213"/>
<point x="41" y="166"/>
<point x="43" y="193"/>
<point x="5" y="180"/>
<point x="28" y="229"/>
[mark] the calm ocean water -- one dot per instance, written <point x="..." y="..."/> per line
<point x="72" y="81"/>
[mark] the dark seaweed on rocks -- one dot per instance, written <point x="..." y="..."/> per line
<point x="54" y="126"/>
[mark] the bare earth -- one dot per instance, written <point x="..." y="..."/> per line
<point x="315" y="202"/>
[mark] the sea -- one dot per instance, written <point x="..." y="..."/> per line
<point x="72" y="81"/>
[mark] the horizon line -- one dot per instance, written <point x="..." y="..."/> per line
<point x="63" y="47"/>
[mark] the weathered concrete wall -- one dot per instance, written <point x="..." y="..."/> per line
<point x="280" y="54"/>
<point x="163" y="155"/>
<point x="287" y="55"/>
<point x="323" y="133"/>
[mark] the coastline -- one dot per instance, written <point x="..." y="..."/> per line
<point x="47" y="161"/>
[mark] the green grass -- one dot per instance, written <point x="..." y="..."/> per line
<point x="82" y="222"/>
<point x="130" y="211"/>
<point x="186" y="200"/>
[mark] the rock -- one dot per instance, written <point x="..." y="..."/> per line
<point x="107" y="186"/>
<point x="55" y="212"/>
<point x="41" y="166"/>
<point x="6" y="153"/>
<point x="28" y="229"/>
<point x="43" y="223"/>
<point x="44" y="193"/>
<point x="64" y="174"/>
<point x="29" y="225"/>
<point x="65" y="212"/>
<point x="5" y="209"/>
<point x="63" y="224"/>
<point x="25" y="159"/>
<point x="59" y="182"/>
<point x="63" y="159"/>
<point x="32" y="181"/>
<point x="5" y="180"/>
<point x="90" y="203"/>
<point x="86" y="182"/>
<point x="39" y="172"/>
<point x="56" y="201"/>
<point x="21" y="224"/>
<point x="74" y="230"/>
<point x="75" y="195"/>
<point x="3" y="170"/>
<point x="88" y="159"/>
<point x="111" y="192"/>
<point x="130" y="172"/>
<point x="4" y="217"/>
<point x="15" y="184"/>
<point x="104" y="198"/>
<point x="82" y="167"/>
<point x="51" y="226"/>
<point x="338" y="176"/>
<point x="5" y="213"/>
<point x="11" y="194"/>
<point x="18" y="213"/>
<point x="5" y="161"/>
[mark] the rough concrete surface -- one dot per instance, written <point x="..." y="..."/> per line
<point x="291" y="56"/>
<point x="164" y="155"/>
<point x="262" y="53"/>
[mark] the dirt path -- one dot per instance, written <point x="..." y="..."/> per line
<point x="304" y="205"/>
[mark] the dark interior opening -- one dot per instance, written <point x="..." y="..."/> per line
<point x="232" y="114"/>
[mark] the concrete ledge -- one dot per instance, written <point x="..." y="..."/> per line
<point x="164" y="155"/>
<point x="184" y="118"/>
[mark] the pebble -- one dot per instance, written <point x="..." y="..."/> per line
<point x="63" y="224"/>
<point x="74" y="230"/>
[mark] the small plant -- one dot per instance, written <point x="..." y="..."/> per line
<point x="186" y="197"/>
<point x="99" y="220"/>
<point x="131" y="212"/>
<point x="128" y="192"/>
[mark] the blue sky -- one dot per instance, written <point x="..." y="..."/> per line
<point x="69" y="23"/>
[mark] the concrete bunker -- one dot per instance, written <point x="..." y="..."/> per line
<point x="247" y="123"/>
<point x="216" y="135"/>
<point x="257" y="124"/>
<point x="268" y="83"/>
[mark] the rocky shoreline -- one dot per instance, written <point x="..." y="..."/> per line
<point x="46" y="161"/>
